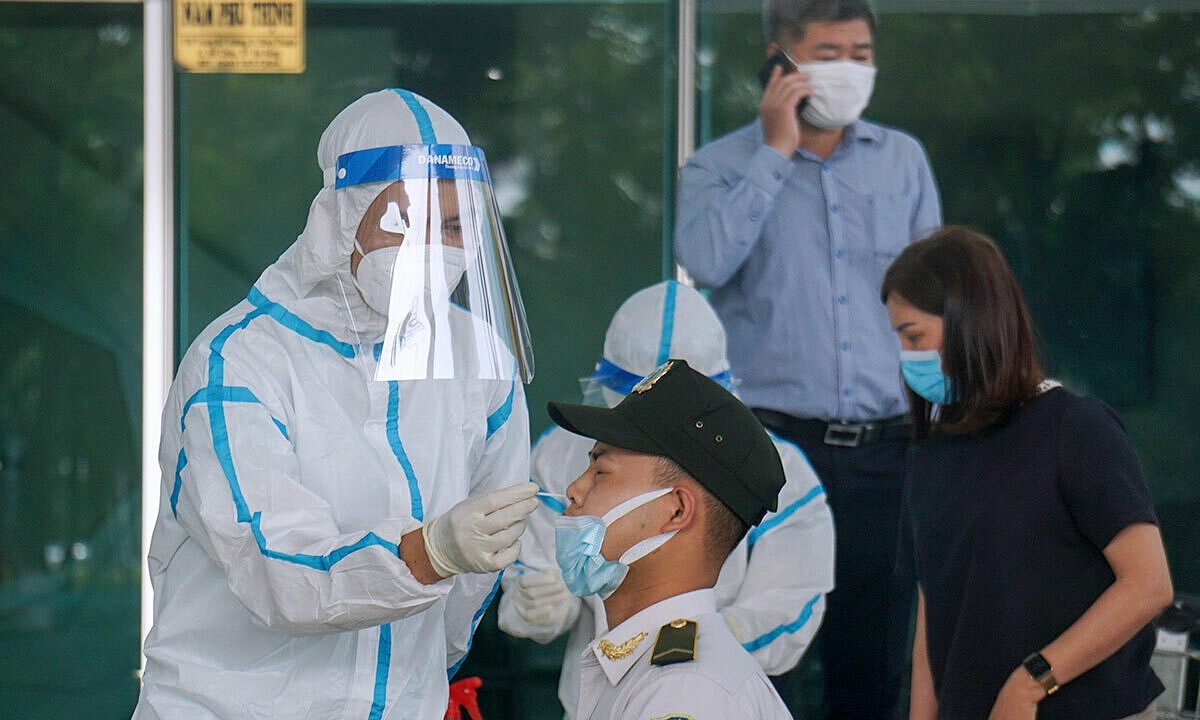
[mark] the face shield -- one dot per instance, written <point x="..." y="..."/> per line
<point x="436" y="263"/>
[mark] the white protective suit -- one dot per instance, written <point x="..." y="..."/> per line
<point x="289" y="477"/>
<point x="771" y="590"/>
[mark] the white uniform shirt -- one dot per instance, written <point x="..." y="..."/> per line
<point x="771" y="588"/>
<point x="723" y="681"/>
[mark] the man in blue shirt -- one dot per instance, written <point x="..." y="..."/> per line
<point x="791" y="222"/>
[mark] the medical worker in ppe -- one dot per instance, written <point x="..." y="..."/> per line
<point x="345" y="451"/>
<point x="771" y="589"/>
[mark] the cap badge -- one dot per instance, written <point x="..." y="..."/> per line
<point x="648" y="382"/>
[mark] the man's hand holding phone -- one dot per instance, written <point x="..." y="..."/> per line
<point x="784" y="95"/>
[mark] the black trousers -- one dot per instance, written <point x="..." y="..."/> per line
<point x="863" y="643"/>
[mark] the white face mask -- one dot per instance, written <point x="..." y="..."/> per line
<point x="400" y="268"/>
<point x="841" y="91"/>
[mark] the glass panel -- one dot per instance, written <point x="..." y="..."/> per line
<point x="70" y="387"/>
<point x="1071" y="140"/>
<point x="572" y="106"/>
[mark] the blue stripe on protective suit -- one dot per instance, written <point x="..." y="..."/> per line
<point x="383" y="662"/>
<point x="180" y="464"/>
<point x="788" y="628"/>
<point x="397" y="446"/>
<point x="292" y="322"/>
<point x="393" y="436"/>
<point x="668" y="323"/>
<point x="496" y="420"/>
<point x="783" y="515"/>
<point x="229" y="395"/>
<point x="424" y="124"/>
<point x="318" y="562"/>
<point x="475" y="624"/>
<point x="215" y="398"/>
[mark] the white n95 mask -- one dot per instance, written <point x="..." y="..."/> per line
<point x="841" y="91"/>
<point x="577" y="543"/>
<point x="379" y="270"/>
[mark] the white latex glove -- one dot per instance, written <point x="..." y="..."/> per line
<point x="480" y="534"/>
<point x="541" y="598"/>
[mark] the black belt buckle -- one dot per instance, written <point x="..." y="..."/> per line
<point x="843" y="435"/>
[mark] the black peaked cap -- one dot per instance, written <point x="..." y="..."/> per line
<point x="681" y="414"/>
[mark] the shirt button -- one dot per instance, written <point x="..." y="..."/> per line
<point x="839" y="254"/>
<point x="845" y="346"/>
<point x="842" y="299"/>
<point x="777" y="175"/>
<point x="846" y="392"/>
<point x="834" y="209"/>
<point x="753" y="217"/>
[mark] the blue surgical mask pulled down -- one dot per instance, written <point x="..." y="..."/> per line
<point x="922" y="370"/>
<point x="577" y="543"/>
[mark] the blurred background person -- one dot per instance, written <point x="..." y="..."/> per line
<point x="1029" y="527"/>
<point x="791" y="221"/>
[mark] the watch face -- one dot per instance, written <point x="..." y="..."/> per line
<point x="1036" y="665"/>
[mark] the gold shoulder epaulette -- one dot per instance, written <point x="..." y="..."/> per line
<point x="676" y="643"/>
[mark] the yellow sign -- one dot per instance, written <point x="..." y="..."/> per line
<point x="240" y="36"/>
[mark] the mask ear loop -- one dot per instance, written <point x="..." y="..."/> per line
<point x="644" y="547"/>
<point x="631" y="504"/>
<point x="358" y="344"/>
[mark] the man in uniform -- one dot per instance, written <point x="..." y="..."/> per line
<point x="679" y="472"/>
<point x="771" y="589"/>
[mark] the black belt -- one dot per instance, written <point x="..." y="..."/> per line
<point x="839" y="434"/>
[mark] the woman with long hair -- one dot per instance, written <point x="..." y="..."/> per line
<point x="1028" y="523"/>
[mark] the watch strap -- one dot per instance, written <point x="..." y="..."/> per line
<point x="1039" y="669"/>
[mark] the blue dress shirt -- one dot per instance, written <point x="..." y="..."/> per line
<point x="794" y="251"/>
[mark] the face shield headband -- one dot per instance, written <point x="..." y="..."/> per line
<point x="616" y="378"/>
<point x="411" y="162"/>
<point x="436" y="264"/>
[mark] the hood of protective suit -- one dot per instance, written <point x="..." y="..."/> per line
<point x="663" y="321"/>
<point x="312" y="278"/>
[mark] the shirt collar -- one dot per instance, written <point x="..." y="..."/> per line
<point x="649" y="620"/>
<point x="859" y="130"/>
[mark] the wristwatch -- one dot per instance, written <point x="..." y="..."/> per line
<point x="1040" y="670"/>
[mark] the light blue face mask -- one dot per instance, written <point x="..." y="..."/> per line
<point x="922" y="370"/>
<point x="577" y="543"/>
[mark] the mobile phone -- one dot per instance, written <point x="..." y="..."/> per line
<point x="764" y="75"/>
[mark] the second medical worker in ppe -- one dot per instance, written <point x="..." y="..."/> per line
<point x="771" y="590"/>
<point x="344" y="452"/>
